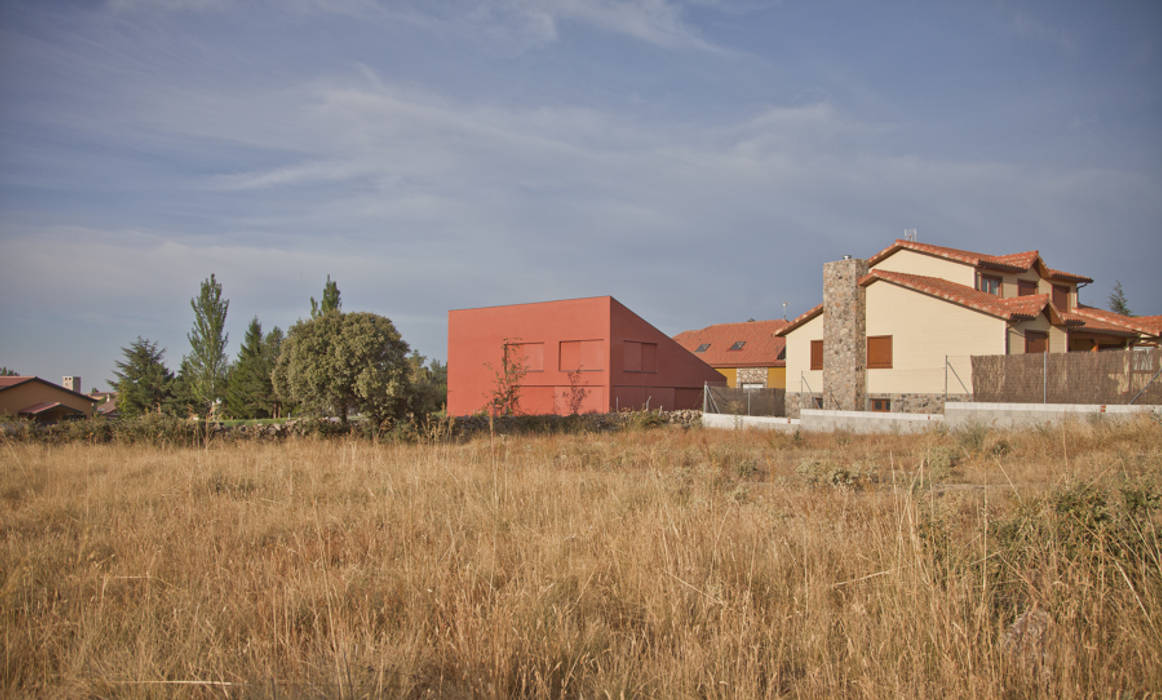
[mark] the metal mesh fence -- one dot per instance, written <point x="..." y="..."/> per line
<point x="1112" y="377"/>
<point x="744" y="402"/>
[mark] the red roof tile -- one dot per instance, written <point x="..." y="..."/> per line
<point x="1011" y="309"/>
<point x="1093" y="317"/>
<point x="801" y="319"/>
<point x="1013" y="262"/>
<point x="6" y="382"/>
<point x="761" y="347"/>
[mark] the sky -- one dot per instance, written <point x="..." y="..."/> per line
<point x="697" y="159"/>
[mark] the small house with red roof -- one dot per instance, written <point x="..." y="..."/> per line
<point x="881" y="338"/>
<point x="750" y="355"/>
<point x="43" y="401"/>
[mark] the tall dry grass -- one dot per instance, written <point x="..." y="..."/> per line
<point x="662" y="563"/>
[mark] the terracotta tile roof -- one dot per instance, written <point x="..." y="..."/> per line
<point x="761" y="347"/>
<point x="1096" y="318"/>
<point x="1012" y="309"/>
<point x="1013" y="262"/>
<point x="801" y="319"/>
<point x="1062" y="276"/>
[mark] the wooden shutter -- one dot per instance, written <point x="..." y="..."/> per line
<point x="1036" y="341"/>
<point x="879" y="352"/>
<point x="816" y="354"/>
<point x="1026" y="288"/>
<point x="1061" y="297"/>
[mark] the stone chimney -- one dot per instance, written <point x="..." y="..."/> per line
<point x="844" y="334"/>
<point x="72" y="383"/>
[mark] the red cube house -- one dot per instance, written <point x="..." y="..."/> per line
<point x="569" y="356"/>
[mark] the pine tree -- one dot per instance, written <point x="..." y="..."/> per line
<point x="207" y="363"/>
<point x="330" y="299"/>
<point x="142" y="381"/>
<point x="1118" y="303"/>
<point x="249" y="391"/>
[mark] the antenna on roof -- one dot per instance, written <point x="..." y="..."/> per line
<point x="910" y="234"/>
<point x="785" y="311"/>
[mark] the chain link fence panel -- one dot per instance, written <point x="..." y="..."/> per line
<point x="745" y="402"/>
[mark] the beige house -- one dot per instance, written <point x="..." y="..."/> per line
<point x="887" y="326"/>
<point x="43" y="401"/>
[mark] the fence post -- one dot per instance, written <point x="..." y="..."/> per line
<point x="1045" y="375"/>
<point x="747" y="402"/>
<point x="705" y="392"/>
<point x="946" y="379"/>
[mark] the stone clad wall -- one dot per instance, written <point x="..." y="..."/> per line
<point x="752" y="375"/>
<point x="844" y="335"/>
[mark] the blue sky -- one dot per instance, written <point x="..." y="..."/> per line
<point x="697" y="159"/>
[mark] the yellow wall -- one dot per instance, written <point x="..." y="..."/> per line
<point x="798" y="376"/>
<point x="913" y="263"/>
<point x="776" y="377"/>
<point x="14" y="399"/>
<point x="924" y="330"/>
<point x="731" y="375"/>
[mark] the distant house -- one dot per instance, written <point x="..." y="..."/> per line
<point x="887" y="325"/>
<point x="43" y="401"/>
<point x="577" y="356"/>
<point x="750" y="355"/>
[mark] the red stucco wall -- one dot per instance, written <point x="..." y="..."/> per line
<point x="561" y="341"/>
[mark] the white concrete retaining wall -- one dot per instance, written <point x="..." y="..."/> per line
<point x="816" y="420"/>
<point x="729" y="422"/>
<point x="1018" y="415"/>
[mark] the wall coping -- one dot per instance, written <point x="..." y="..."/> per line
<point x="872" y="415"/>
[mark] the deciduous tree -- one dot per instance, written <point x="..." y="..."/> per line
<point x="339" y="364"/>
<point x="207" y="363"/>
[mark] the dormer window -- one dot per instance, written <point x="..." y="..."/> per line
<point x="738" y="345"/>
<point x="989" y="284"/>
<point x="702" y="348"/>
<point x="1061" y="297"/>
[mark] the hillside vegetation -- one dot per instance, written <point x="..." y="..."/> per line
<point x="656" y="563"/>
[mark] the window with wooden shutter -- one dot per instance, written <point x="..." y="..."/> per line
<point x="1061" y="297"/>
<point x="1036" y="341"/>
<point x="816" y="354"/>
<point x="879" y="352"/>
<point x="989" y="284"/>
<point x="1026" y="288"/>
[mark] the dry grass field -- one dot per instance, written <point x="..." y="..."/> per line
<point x="657" y="563"/>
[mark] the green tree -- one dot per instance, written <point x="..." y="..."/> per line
<point x="5" y="372"/>
<point x="1118" y="303"/>
<point x="330" y="300"/>
<point x="206" y="365"/>
<point x="429" y="385"/>
<point x="339" y="364"/>
<point x="142" y="381"/>
<point x="271" y="347"/>
<point x="249" y="390"/>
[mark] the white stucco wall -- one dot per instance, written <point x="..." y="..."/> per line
<point x="924" y="330"/>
